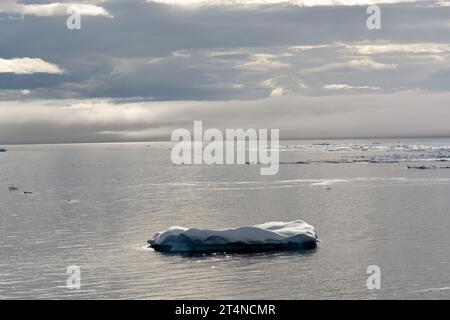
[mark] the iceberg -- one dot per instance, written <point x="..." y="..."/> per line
<point x="269" y="236"/>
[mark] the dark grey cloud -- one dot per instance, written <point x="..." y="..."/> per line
<point x="142" y="31"/>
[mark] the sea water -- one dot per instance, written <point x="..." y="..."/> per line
<point x="94" y="206"/>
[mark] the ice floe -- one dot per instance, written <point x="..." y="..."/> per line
<point x="269" y="236"/>
<point x="424" y="167"/>
<point x="375" y="147"/>
<point x="370" y="153"/>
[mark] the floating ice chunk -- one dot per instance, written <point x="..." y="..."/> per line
<point x="263" y="237"/>
<point x="424" y="167"/>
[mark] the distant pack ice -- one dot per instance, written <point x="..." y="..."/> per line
<point x="269" y="236"/>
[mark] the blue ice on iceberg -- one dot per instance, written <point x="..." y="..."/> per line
<point x="269" y="236"/>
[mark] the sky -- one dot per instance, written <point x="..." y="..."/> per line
<point x="138" y="69"/>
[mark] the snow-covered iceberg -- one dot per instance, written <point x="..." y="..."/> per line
<point x="268" y="236"/>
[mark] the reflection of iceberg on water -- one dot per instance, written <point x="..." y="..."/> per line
<point x="269" y="236"/>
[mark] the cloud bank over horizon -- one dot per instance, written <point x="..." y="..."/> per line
<point x="400" y="114"/>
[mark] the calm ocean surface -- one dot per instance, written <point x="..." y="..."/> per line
<point x="96" y="205"/>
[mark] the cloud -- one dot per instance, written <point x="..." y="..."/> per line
<point x="262" y="62"/>
<point x="228" y="55"/>
<point x="416" y="48"/>
<point x="131" y="65"/>
<point x="225" y="53"/>
<point x="52" y="9"/>
<point x="402" y="114"/>
<point x="348" y="87"/>
<point x="276" y="90"/>
<point x="306" y="3"/>
<point x="365" y="64"/>
<point x="28" y="66"/>
<point x="310" y="47"/>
